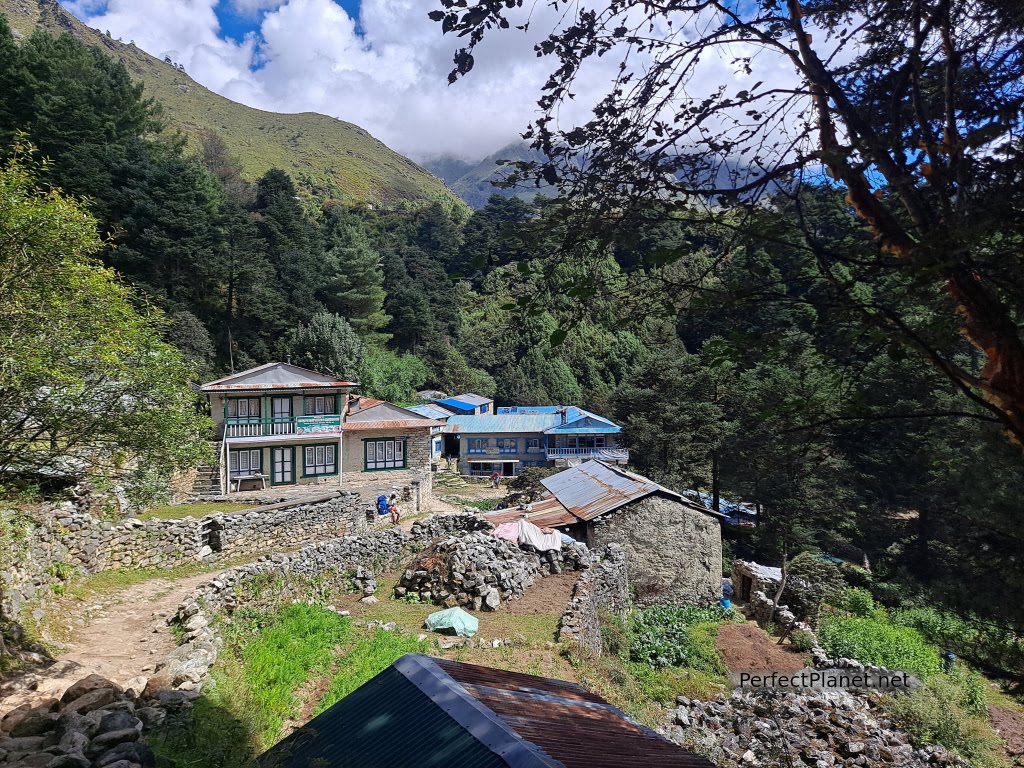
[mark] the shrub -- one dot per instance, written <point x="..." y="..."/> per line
<point x="859" y="602"/>
<point x="936" y="714"/>
<point x="677" y="636"/>
<point x="982" y="642"/>
<point x="871" y="641"/>
<point x="801" y="641"/>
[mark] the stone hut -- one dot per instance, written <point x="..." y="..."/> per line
<point x="673" y="545"/>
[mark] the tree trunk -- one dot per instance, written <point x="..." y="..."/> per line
<point x="716" y="485"/>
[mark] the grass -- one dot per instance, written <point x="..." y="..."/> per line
<point x="876" y="641"/>
<point x="267" y="658"/>
<point x="485" y="505"/>
<point x="199" y="509"/>
<point x="327" y="158"/>
<point x="370" y="656"/>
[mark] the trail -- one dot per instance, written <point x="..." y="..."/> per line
<point x="125" y="635"/>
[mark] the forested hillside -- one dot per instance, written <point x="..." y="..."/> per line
<point x="327" y="158"/>
<point x="744" y="369"/>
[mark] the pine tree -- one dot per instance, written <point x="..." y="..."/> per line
<point x="328" y="343"/>
<point x="356" y="290"/>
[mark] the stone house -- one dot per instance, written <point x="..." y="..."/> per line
<point x="673" y="545"/>
<point x="284" y="425"/>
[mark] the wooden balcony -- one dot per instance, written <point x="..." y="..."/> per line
<point x="297" y="425"/>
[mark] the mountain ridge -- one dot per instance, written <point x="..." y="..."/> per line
<point x="328" y="158"/>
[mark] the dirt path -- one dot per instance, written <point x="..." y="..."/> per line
<point x="1009" y="724"/>
<point x="125" y="635"/>
<point x="748" y="648"/>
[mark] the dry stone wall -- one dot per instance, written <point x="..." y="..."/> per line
<point x="65" y="540"/>
<point x="602" y="587"/>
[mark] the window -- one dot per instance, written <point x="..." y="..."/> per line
<point x="243" y="408"/>
<point x="478" y="445"/>
<point x="320" y="405"/>
<point x="508" y="445"/>
<point x="484" y="407"/>
<point x="532" y="444"/>
<point x="248" y="461"/>
<point x="388" y="453"/>
<point x="320" y="460"/>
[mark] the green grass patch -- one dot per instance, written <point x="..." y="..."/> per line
<point x="199" y="509"/>
<point x="370" y="656"/>
<point x="950" y="710"/>
<point x="678" y="636"/>
<point x="484" y="505"/>
<point x="874" y="641"/>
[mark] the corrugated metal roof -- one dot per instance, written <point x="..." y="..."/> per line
<point x="431" y="411"/>
<point x="491" y="424"/>
<point x="471" y="398"/>
<point x="275" y="376"/>
<point x="594" y="488"/>
<point x="356" y="426"/>
<point x="546" y="513"/>
<point x="423" y="712"/>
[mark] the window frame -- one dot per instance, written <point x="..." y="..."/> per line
<point x="508" y="445"/>
<point x="235" y="456"/>
<point x="481" y="442"/>
<point x="396" y="449"/>
<point x="248" y="418"/>
<point x="310" y="407"/>
<point x="316" y="472"/>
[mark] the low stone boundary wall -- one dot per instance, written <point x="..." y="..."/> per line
<point x="68" y="540"/>
<point x="603" y="587"/>
<point x="289" y="576"/>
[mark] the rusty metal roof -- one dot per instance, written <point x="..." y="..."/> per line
<point x="422" y="712"/>
<point x="546" y="513"/>
<point x="356" y="426"/>
<point x="594" y="488"/>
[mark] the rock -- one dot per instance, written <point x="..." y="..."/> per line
<point x="136" y="685"/>
<point x="119" y="721"/>
<point x="74" y="741"/>
<point x="71" y="760"/>
<point x="369" y="600"/>
<point x="132" y="751"/>
<point x="154" y="685"/>
<point x="94" y="699"/>
<point x="86" y="685"/>
<point x="36" y="724"/>
<point x="492" y="599"/>
<point x="104" y="741"/>
<point x="172" y="699"/>
<point x="151" y="716"/>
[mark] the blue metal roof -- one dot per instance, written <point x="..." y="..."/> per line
<point x="510" y="423"/>
<point x="430" y="411"/>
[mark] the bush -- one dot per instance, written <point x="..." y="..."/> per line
<point x="938" y="713"/>
<point x="983" y="643"/>
<point x="678" y="636"/>
<point x="871" y="641"/>
<point x="859" y="602"/>
<point x="801" y="641"/>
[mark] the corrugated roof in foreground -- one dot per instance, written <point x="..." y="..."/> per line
<point x="594" y="488"/>
<point x="433" y="712"/>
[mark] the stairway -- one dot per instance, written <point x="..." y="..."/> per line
<point x="207" y="481"/>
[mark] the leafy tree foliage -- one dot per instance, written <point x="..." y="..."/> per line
<point x="328" y="343"/>
<point x="88" y="386"/>
<point x="912" y="108"/>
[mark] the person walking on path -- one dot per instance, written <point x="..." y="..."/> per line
<point x="396" y="513"/>
<point x="495" y="479"/>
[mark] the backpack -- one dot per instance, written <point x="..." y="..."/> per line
<point x="382" y="505"/>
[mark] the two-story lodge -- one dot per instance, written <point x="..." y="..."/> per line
<point x="285" y="425"/>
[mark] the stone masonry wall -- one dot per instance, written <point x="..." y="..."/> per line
<point x="64" y="539"/>
<point x="674" y="551"/>
<point x="282" y="576"/>
<point x="602" y="587"/>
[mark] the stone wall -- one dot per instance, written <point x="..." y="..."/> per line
<point x="674" y="551"/>
<point x="604" y="587"/>
<point x="63" y="539"/>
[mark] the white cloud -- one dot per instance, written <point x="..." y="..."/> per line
<point x="388" y="73"/>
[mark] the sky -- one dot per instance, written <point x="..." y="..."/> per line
<point x="381" y="64"/>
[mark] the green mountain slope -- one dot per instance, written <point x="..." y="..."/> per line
<point x="328" y="158"/>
